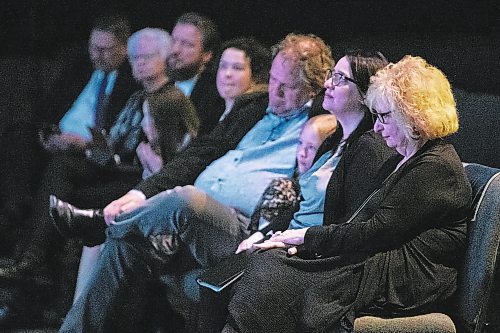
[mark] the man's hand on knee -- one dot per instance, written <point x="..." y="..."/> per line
<point x="128" y="202"/>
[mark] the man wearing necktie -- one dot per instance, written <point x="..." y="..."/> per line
<point x="102" y="101"/>
<point x="77" y="105"/>
<point x="96" y="180"/>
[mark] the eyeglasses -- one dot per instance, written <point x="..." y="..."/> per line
<point x="381" y="116"/>
<point x="145" y="56"/>
<point x="100" y="49"/>
<point x="337" y="78"/>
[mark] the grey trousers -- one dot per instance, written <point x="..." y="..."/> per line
<point x="209" y="230"/>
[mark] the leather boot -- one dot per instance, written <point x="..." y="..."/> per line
<point x="73" y="222"/>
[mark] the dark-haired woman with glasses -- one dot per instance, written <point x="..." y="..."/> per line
<point x="398" y="253"/>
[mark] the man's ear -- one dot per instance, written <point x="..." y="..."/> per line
<point x="207" y="56"/>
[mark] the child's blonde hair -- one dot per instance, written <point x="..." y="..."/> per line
<point x="323" y="124"/>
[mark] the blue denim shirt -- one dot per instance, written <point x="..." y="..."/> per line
<point x="267" y="151"/>
<point x="81" y="116"/>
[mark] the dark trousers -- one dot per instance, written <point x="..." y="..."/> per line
<point x="72" y="178"/>
<point x="213" y="309"/>
<point x="18" y="156"/>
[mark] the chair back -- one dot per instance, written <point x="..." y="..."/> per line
<point x="477" y="281"/>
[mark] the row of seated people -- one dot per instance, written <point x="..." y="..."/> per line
<point x="91" y="168"/>
<point x="383" y="208"/>
<point x="374" y="202"/>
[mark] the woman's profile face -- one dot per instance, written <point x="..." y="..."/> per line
<point x="390" y="129"/>
<point x="234" y="75"/>
<point x="345" y="96"/>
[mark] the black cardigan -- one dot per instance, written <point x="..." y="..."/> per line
<point x="409" y="236"/>
<point x="352" y="180"/>
<point x="396" y="257"/>
<point x="355" y="176"/>
<point x="429" y="191"/>
<point x="207" y="101"/>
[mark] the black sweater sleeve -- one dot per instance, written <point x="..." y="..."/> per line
<point x="429" y="193"/>
<point x="355" y="176"/>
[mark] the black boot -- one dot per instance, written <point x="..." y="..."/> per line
<point x="72" y="222"/>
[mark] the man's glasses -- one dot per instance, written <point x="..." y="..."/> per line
<point x="145" y="56"/>
<point x="381" y="116"/>
<point x="337" y="78"/>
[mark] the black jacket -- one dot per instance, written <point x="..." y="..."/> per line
<point x="355" y="175"/>
<point x="207" y="101"/>
<point x="397" y="256"/>
<point x="409" y="236"/>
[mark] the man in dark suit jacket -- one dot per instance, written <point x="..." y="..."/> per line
<point x="69" y="174"/>
<point x="196" y="42"/>
<point x="75" y="92"/>
<point x="68" y="87"/>
<point x="73" y="102"/>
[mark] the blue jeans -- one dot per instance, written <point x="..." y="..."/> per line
<point x="209" y="230"/>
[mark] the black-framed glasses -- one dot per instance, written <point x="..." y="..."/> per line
<point x="381" y="116"/>
<point x="338" y="78"/>
<point x="145" y="56"/>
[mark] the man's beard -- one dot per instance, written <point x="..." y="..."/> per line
<point x="184" y="73"/>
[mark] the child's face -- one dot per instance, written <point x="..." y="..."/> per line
<point x="309" y="143"/>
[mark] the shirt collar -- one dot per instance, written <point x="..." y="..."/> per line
<point x="100" y="73"/>
<point x="187" y="86"/>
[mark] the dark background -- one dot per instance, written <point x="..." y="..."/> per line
<point x="461" y="37"/>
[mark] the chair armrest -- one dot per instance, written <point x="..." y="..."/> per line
<point x="427" y="323"/>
